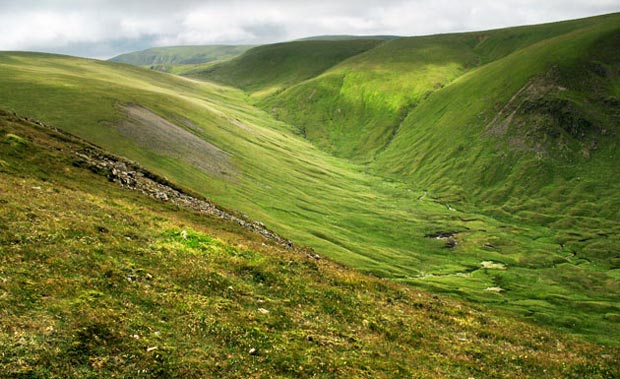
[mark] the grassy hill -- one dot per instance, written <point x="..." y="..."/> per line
<point x="99" y="280"/>
<point x="345" y="37"/>
<point x="270" y="67"/>
<point x="356" y="108"/>
<point x="540" y="141"/>
<point x="517" y="123"/>
<point x="167" y="58"/>
<point x="413" y="214"/>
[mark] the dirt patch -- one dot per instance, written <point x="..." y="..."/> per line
<point x="131" y="176"/>
<point x="493" y="265"/>
<point x="157" y="134"/>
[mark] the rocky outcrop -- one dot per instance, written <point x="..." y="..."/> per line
<point x="132" y="176"/>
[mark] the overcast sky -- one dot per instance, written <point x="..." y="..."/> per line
<point x="105" y="28"/>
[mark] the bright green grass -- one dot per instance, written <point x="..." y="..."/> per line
<point x="545" y="180"/>
<point x="355" y="108"/>
<point x="97" y="281"/>
<point x="268" y="68"/>
<point x="319" y="200"/>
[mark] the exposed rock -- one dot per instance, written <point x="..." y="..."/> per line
<point x="445" y="236"/>
<point x="494" y="289"/>
<point x="493" y="265"/>
<point x="132" y="176"/>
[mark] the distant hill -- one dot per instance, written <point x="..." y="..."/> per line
<point x="345" y="38"/>
<point x="180" y="55"/>
<point x="270" y="67"/>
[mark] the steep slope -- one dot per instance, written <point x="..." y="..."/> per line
<point x="207" y="138"/>
<point x="98" y="280"/>
<point x="270" y="67"/>
<point x="355" y="109"/>
<point x="540" y="141"/>
<point x="165" y="57"/>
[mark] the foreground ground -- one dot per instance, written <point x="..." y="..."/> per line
<point x="97" y="280"/>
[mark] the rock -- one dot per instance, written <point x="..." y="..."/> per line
<point x="253" y="351"/>
<point x="494" y="289"/>
<point x="161" y="196"/>
<point x="184" y="234"/>
<point x="492" y="265"/>
<point x="262" y="311"/>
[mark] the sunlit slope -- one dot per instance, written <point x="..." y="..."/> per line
<point x="207" y="138"/>
<point x="247" y="160"/>
<point x="271" y="67"/>
<point x="355" y="108"/>
<point x="536" y="133"/>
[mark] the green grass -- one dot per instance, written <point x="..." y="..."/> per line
<point x="270" y="67"/>
<point x="355" y="109"/>
<point x="98" y="281"/>
<point x="169" y="58"/>
<point x="559" y="247"/>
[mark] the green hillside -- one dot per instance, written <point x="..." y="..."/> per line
<point x="514" y="122"/>
<point x="355" y="109"/>
<point x="165" y="58"/>
<point x="270" y="67"/>
<point x="544" y="148"/>
<point x="448" y="201"/>
<point x="97" y="280"/>
<point x="345" y="37"/>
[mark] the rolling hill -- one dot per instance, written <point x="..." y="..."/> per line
<point x="428" y="172"/>
<point x="103" y="276"/>
<point x="167" y="58"/>
<point x="271" y="67"/>
<point x="519" y="123"/>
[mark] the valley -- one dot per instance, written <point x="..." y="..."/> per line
<point x="479" y="166"/>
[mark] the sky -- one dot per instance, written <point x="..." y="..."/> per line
<point x="105" y="28"/>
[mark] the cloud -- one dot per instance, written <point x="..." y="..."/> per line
<point x="102" y="28"/>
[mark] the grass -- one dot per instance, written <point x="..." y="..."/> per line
<point x="270" y="67"/>
<point x="100" y="281"/>
<point x="557" y="264"/>
<point x="169" y="58"/>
